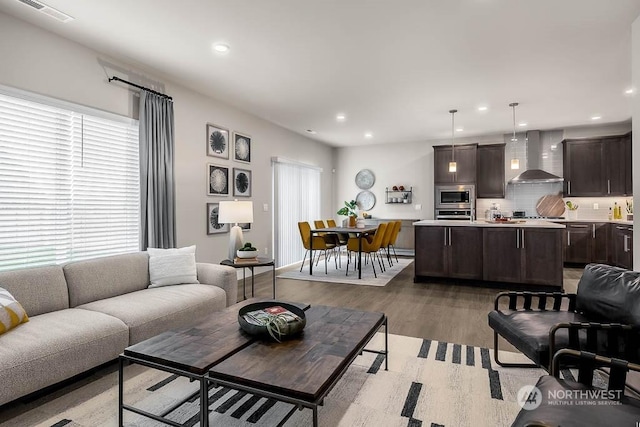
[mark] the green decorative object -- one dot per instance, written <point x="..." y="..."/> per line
<point x="349" y="209"/>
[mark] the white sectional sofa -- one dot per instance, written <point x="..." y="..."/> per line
<point x="85" y="313"/>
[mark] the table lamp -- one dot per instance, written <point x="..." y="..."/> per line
<point x="234" y="212"/>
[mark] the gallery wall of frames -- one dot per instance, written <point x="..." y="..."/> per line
<point x="228" y="174"/>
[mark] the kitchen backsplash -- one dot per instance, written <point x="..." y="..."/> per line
<point x="524" y="197"/>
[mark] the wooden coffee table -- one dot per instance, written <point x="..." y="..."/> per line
<point x="300" y="371"/>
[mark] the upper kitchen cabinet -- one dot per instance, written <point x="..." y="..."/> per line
<point x="628" y="179"/>
<point x="465" y="158"/>
<point x="597" y="167"/>
<point x="490" y="171"/>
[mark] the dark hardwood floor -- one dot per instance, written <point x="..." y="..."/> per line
<point x="435" y="310"/>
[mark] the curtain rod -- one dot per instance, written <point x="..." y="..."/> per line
<point x="140" y="87"/>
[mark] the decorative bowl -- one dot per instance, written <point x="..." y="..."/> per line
<point x="292" y="329"/>
<point x="246" y="254"/>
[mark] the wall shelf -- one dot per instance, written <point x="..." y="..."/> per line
<point x="400" y="197"/>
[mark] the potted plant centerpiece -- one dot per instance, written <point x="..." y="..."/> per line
<point x="247" y="252"/>
<point x="350" y="209"/>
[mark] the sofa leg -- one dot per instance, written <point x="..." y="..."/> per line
<point x="508" y="365"/>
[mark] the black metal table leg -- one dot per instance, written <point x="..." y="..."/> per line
<point x="120" y="391"/>
<point x="244" y="283"/>
<point x="253" y="274"/>
<point x="273" y="269"/>
<point x="360" y="256"/>
<point x="204" y="403"/>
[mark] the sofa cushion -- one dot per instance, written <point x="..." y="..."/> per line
<point x="150" y="312"/>
<point x="54" y="346"/>
<point x="609" y="294"/>
<point x="172" y="266"/>
<point x="39" y="290"/>
<point x="528" y="330"/>
<point x="106" y="277"/>
<point x="11" y="312"/>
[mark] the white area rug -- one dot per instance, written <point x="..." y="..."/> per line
<point x="339" y="275"/>
<point x="429" y="383"/>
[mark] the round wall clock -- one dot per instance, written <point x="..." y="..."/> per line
<point x="365" y="179"/>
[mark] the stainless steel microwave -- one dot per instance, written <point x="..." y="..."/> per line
<point x="455" y="196"/>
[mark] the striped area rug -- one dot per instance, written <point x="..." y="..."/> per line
<point x="429" y="383"/>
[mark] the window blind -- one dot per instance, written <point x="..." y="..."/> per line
<point x="297" y="198"/>
<point x="69" y="185"/>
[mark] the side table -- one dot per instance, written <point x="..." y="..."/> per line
<point x="260" y="262"/>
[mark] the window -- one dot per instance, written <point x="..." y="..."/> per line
<point x="69" y="183"/>
<point x="297" y="198"/>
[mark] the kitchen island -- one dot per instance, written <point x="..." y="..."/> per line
<point x="527" y="252"/>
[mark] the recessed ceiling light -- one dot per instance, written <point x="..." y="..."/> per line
<point x="311" y="131"/>
<point x="596" y="117"/>
<point x="221" y="48"/>
<point x="341" y="117"/>
<point x="483" y="108"/>
<point x="629" y="91"/>
<point x="368" y="135"/>
<point x="523" y="124"/>
<point x="459" y="129"/>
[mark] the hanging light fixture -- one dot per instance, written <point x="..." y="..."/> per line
<point x="453" y="167"/>
<point x="515" y="162"/>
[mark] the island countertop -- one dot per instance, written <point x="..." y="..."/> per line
<point x="527" y="223"/>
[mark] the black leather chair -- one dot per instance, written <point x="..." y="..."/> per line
<point x="567" y="403"/>
<point x="603" y="317"/>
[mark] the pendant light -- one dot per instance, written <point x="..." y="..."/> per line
<point x="515" y="162"/>
<point x="453" y="167"/>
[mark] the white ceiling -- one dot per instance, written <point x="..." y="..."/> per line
<point x="394" y="67"/>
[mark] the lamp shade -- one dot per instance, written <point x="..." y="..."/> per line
<point x="236" y="211"/>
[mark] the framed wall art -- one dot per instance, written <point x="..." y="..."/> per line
<point x="213" y="226"/>
<point x="241" y="182"/>
<point x="218" y="180"/>
<point x="241" y="147"/>
<point x="217" y="141"/>
<point x="245" y="226"/>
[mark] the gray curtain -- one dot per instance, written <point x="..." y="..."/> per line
<point x="157" y="186"/>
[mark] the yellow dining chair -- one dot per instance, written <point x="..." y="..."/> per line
<point x="386" y="239"/>
<point x="318" y="243"/>
<point x="369" y="249"/>
<point x="394" y="236"/>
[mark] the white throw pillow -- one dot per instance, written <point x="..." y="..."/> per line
<point x="172" y="266"/>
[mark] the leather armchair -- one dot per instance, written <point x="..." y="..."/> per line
<point x="603" y="317"/>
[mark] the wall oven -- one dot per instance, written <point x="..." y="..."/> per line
<point x="455" y="201"/>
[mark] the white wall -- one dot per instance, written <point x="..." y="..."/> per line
<point x="635" y="144"/>
<point x="42" y="62"/>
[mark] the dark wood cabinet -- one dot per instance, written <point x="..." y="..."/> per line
<point x="541" y="256"/>
<point x="628" y="176"/>
<point x="490" y="171"/>
<point x="465" y="157"/>
<point x="465" y="252"/>
<point x="622" y="245"/>
<point x="598" y="166"/>
<point x="600" y="232"/>
<point x="584" y="168"/>
<point x="502" y="258"/>
<point x="578" y="243"/>
<point x="449" y="252"/>
<point x="431" y="256"/>
<point x="523" y="255"/>
<point x="613" y="150"/>
<point x="586" y="242"/>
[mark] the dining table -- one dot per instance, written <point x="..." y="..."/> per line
<point x="359" y="233"/>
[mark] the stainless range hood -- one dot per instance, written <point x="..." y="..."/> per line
<point x="533" y="174"/>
